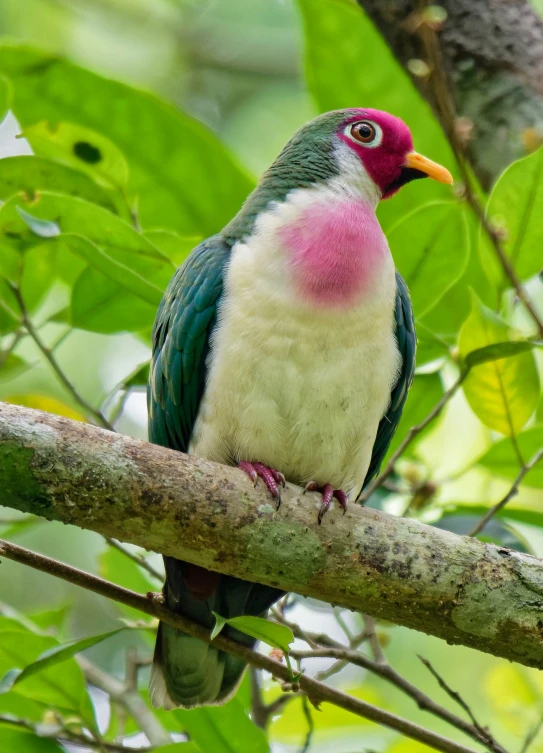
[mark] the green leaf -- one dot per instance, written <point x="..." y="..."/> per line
<point x="51" y="618"/>
<point x="278" y="636"/>
<point x="425" y="392"/>
<point x="502" y="460"/>
<point x="220" y="622"/>
<point x="5" y="97"/>
<point x="516" y="206"/>
<point x="182" y="176"/>
<point x="430" y="247"/>
<point x="503" y="393"/>
<point x="19" y="526"/>
<point x="51" y="658"/>
<point x="497" y="351"/>
<point x="82" y="149"/>
<point x="12" y="739"/>
<point x="179" y="748"/>
<point x="176" y="247"/>
<point x="117" y="567"/>
<point x="12" y="366"/>
<point x="223" y="729"/>
<point x="29" y="174"/>
<point x="19" y="648"/>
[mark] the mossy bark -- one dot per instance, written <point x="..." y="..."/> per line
<point x="456" y="588"/>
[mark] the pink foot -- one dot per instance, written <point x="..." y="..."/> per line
<point x="272" y="478"/>
<point x="328" y="493"/>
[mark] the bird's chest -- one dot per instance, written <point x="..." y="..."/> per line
<point x="295" y="380"/>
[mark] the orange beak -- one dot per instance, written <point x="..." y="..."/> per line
<point x="431" y="169"/>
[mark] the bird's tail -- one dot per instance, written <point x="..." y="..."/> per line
<point x="188" y="672"/>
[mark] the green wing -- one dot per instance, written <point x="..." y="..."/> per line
<point x="407" y="344"/>
<point x="181" y="335"/>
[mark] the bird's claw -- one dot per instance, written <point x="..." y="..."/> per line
<point x="271" y="477"/>
<point x="328" y="493"/>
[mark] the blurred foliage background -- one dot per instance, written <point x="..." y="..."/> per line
<point x="240" y="78"/>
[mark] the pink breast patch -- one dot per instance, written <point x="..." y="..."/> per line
<point x="335" y="249"/>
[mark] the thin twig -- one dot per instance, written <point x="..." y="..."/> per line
<point x="153" y="605"/>
<point x="366" y="493"/>
<point x="129" y="698"/>
<point x="48" y="354"/>
<point x="310" y="724"/>
<point x="69" y="737"/>
<point x="386" y="672"/>
<point x="513" y="491"/>
<point x="457" y="698"/>
<point x="139" y="560"/>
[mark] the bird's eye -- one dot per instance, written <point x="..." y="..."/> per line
<point x="366" y="132"/>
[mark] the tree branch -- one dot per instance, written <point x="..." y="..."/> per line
<point x="456" y="588"/>
<point x="153" y="605"/>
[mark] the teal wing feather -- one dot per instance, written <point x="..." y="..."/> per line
<point x="188" y="672"/>
<point x="181" y="337"/>
<point x="407" y="344"/>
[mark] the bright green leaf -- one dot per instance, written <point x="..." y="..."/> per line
<point x="14" y="740"/>
<point x="181" y="174"/>
<point x="50" y="658"/>
<point x="82" y="149"/>
<point x="503" y="393"/>
<point x="5" y="97"/>
<point x="430" y="247"/>
<point x="220" y="622"/>
<point x="179" y="748"/>
<point x="278" y="636"/>
<point x="12" y="366"/>
<point x="29" y="174"/>
<point x="516" y="206"/>
<point x="223" y="729"/>
<point x="68" y="691"/>
<point x="176" y="247"/>
<point x="502" y="460"/>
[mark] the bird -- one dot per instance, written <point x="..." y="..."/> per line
<point x="285" y="345"/>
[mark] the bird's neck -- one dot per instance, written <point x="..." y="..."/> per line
<point x="328" y="244"/>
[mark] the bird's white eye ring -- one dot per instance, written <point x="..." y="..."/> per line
<point x="365" y="132"/>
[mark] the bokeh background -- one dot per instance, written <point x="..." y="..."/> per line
<point x="239" y="67"/>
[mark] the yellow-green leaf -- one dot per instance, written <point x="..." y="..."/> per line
<point x="503" y="393"/>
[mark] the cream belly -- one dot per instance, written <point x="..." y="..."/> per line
<point x="297" y="388"/>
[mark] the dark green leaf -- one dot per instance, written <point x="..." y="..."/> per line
<point x="278" y="636"/>
<point x="139" y="377"/>
<point x="496" y="351"/>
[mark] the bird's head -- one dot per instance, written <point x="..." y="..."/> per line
<point x="358" y="145"/>
<point x="384" y="146"/>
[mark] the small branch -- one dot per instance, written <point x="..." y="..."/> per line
<point x="153" y="605"/>
<point x="48" y="354"/>
<point x="457" y="698"/>
<point x="513" y="491"/>
<point x="140" y="561"/>
<point x="413" y="432"/>
<point x="126" y="697"/>
<point x="69" y="737"/>
<point x="386" y="672"/>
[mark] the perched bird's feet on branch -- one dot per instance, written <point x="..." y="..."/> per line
<point x="328" y="493"/>
<point x="272" y="478"/>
